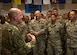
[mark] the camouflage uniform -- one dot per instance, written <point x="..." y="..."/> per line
<point x="59" y="19"/>
<point x="66" y="20"/>
<point x="23" y="28"/>
<point x="64" y="36"/>
<point x="12" y="42"/>
<point x="54" y="45"/>
<point x="71" y="31"/>
<point x="0" y="37"/>
<point x="39" y="26"/>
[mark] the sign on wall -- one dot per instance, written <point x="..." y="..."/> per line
<point x="32" y="8"/>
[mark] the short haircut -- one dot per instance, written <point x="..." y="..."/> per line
<point x="75" y="11"/>
<point x="54" y="9"/>
<point x="49" y="11"/>
<point x="11" y="14"/>
<point x="54" y="15"/>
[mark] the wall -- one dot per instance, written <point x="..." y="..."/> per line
<point x="63" y="8"/>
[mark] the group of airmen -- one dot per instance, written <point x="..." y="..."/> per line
<point x="37" y="34"/>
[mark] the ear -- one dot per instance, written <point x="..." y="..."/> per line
<point x="15" y="17"/>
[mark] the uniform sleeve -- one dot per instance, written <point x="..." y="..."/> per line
<point x="43" y="27"/>
<point x="31" y="44"/>
<point x="62" y="33"/>
<point x="18" y="42"/>
<point x="42" y="31"/>
<point x="31" y="28"/>
<point x="21" y="45"/>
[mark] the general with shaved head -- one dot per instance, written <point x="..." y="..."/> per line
<point x="15" y="14"/>
<point x="38" y="27"/>
<point x="71" y="31"/>
<point x="13" y="41"/>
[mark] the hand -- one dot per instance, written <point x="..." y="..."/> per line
<point x="29" y="37"/>
<point x="36" y="33"/>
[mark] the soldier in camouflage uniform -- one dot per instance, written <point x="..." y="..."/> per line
<point x="2" y="21"/>
<point x="26" y="21"/>
<point x="71" y="31"/>
<point x="55" y="29"/>
<point x="0" y="37"/>
<point x="60" y="19"/>
<point x="24" y="28"/>
<point x="12" y="40"/>
<point x="32" y="16"/>
<point x="37" y="27"/>
<point x="65" y="17"/>
<point x="55" y="11"/>
<point x="49" y="13"/>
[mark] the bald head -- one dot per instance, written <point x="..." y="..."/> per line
<point x="37" y="14"/>
<point x="13" y="11"/>
<point x="15" y="14"/>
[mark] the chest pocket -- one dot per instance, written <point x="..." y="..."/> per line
<point x="57" y="28"/>
<point x="36" y="27"/>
